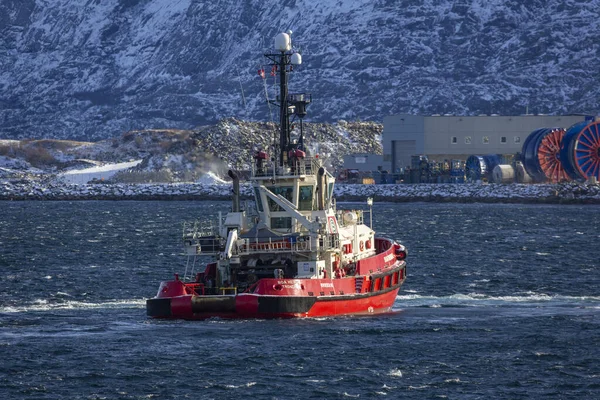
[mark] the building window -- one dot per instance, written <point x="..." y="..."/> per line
<point x="503" y="139"/>
<point x="485" y="140"/>
<point x="517" y="139"/>
<point x="454" y="140"/>
<point x="467" y="139"/>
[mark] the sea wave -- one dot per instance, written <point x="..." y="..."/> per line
<point x="480" y="299"/>
<point x="45" y="305"/>
<point x="395" y="372"/>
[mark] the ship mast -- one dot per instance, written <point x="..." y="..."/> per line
<point x="284" y="116"/>
<point x="283" y="61"/>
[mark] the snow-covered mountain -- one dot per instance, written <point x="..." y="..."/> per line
<point x="92" y="69"/>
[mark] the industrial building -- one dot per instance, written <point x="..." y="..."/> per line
<point x="443" y="137"/>
<point x="363" y="161"/>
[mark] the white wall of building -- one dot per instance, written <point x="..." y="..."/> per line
<point x="461" y="136"/>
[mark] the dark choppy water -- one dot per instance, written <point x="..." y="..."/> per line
<point x="502" y="301"/>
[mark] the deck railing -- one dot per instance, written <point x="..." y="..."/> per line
<point x="302" y="244"/>
<point x="198" y="229"/>
<point x="298" y="167"/>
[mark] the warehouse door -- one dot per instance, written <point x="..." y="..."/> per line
<point x="401" y="152"/>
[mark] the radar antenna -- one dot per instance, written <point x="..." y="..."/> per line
<point x="283" y="61"/>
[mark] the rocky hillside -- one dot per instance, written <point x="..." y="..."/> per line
<point x="91" y="70"/>
<point x="189" y="153"/>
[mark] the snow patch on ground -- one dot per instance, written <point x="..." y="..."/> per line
<point x="83" y="176"/>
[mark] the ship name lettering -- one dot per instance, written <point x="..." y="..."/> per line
<point x="388" y="258"/>
<point x="294" y="286"/>
<point x="329" y="285"/>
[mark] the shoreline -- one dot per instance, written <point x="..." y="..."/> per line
<point x="565" y="193"/>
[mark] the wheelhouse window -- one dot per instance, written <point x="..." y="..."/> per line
<point x="281" y="223"/>
<point x="259" y="204"/>
<point x="305" y="198"/>
<point x="285" y="191"/>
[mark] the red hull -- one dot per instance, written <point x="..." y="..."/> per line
<point x="285" y="298"/>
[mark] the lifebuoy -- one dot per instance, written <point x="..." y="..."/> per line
<point x="400" y="253"/>
<point x="368" y="244"/>
<point x="362" y="245"/>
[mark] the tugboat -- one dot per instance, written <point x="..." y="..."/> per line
<point x="298" y="255"/>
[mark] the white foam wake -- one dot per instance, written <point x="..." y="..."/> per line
<point x="475" y="299"/>
<point x="44" y="305"/>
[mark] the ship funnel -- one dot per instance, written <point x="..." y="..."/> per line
<point x="235" y="207"/>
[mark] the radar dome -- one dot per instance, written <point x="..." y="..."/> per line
<point x="283" y="42"/>
<point x="296" y="59"/>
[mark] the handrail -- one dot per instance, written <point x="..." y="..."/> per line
<point x="198" y="229"/>
<point x="306" y="245"/>
<point x="299" y="167"/>
<point x="224" y="290"/>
